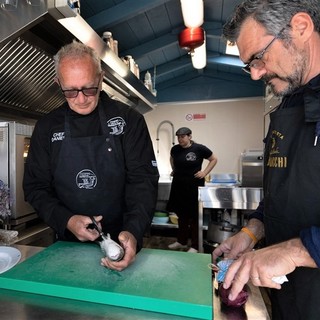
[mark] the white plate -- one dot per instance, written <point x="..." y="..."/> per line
<point x="9" y="257"/>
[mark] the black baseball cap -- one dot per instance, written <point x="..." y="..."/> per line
<point x="183" y="131"/>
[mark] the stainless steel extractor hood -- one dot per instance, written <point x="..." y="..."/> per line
<point x="30" y="36"/>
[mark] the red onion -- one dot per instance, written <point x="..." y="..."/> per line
<point x="241" y="299"/>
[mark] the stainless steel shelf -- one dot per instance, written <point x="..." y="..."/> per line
<point x="164" y="225"/>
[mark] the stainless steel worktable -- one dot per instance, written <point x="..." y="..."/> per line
<point x="16" y="305"/>
<point x="226" y="198"/>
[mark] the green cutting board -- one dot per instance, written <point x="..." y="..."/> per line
<point x="164" y="281"/>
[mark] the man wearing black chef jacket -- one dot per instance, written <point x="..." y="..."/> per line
<point x="92" y="156"/>
<point x="279" y="41"/>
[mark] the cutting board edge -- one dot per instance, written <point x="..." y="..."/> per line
<point x="149" y="304"/>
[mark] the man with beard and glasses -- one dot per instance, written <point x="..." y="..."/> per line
<point x="279" y="41"/>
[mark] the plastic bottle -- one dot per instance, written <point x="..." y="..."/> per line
<point x="148" y="80"/>
<point x="108" y="39"/>
<point x="137" y="70"/>
<point x="115" y="46"/>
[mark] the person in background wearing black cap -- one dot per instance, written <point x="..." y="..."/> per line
<point x="186" y="160"/>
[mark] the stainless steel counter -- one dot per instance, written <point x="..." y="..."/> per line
<point x="19" y="305"/>
<point x="226" y="198"/>
<point x="230" y="197"/>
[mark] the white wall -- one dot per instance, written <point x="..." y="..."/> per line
<point x="230" y="127"/>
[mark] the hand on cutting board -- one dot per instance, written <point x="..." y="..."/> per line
<point x="129" y="244"/>
<point x="78" y="225"/>
<point x="264" y="265"/>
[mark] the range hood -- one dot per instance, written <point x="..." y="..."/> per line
<point x="30" y="36"/>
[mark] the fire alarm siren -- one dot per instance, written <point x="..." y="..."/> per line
<point x="191" y="38"/>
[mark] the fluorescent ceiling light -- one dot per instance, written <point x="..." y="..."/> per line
<point x="199" y="56"/>
<point x="232" y="49"/>
<point x="192" y="12"/>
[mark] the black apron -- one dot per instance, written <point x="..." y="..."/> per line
<point x="183" y="197"/>
<point x="292" y="202"/>
<point x="90" y="178"/>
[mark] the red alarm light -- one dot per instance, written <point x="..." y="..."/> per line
<point x="191" y="38"/>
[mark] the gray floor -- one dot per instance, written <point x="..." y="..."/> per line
<point x="158" y="242"/>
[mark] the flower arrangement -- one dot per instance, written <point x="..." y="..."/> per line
<point x="5" y="211"/>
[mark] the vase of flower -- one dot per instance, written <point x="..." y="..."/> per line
<point x="5" y="212"/>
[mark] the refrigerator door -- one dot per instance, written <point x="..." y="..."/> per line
<point x="14" y="145"/>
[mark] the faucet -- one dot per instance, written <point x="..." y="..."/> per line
<point x="158" y="131"/>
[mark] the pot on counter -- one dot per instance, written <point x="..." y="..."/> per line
<point x="220" y="231"/>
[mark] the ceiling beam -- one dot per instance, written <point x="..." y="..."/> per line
<point x="153" y="46"/>
<point x="213" y="58"/>
<point x="216" y="76"/>
<point x="178" y="80"/>
<point x="121" y="13"/>
<point x="231" y="61"/>
<point x="174" y="65"/>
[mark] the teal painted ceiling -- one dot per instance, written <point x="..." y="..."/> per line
<point x="148" y="31"/>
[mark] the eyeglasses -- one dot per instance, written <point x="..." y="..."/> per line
<point x="86" y="91"/>
<point x="73" y="93"/>
<point x="256" y="61"/>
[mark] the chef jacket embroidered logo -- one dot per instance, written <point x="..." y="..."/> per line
<point x="57" y="136"/>
<point x="116" y="125"/>
<point x="275" y="160"/>
<point x="86" y="179"/>
<point x="191" y="156"/>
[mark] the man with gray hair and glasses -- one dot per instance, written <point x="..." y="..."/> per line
<point x="92" y="158"/>
<point x="279" y="42"/>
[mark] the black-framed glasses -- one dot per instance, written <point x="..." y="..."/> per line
<point x="86" y="91"/>
<point x="73" y="93"/>
<point x="256" y="61"/>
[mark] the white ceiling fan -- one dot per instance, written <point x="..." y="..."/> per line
<point x="193" y="37"/>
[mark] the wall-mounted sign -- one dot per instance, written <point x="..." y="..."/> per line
<point x="196" y="116"/>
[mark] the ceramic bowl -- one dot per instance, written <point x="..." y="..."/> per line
<point x="160" y="219"/>
<point x="173" y="218"/>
